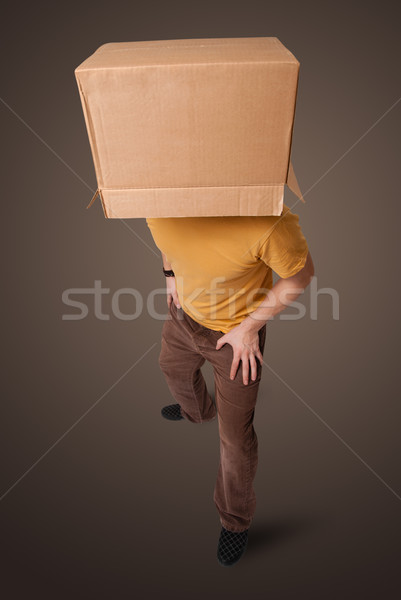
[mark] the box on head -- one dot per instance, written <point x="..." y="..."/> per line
<point x="191" y="127"/>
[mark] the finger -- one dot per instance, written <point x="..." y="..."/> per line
<point x="259" y="356"/>
<point x="176" y="301"/>
<point x="169" y="299"/>
<point x="254" y="367"/>
<point x="245" y="369"/>
<point x="234" y="367"/>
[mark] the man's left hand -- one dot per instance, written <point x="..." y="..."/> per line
<point x="245" y="345"/>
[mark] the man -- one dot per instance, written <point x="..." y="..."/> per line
<point x="220" y="296"/>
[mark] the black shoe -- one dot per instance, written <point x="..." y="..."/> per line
<point x="232" y="545"/>
<point x="172" y="412"/>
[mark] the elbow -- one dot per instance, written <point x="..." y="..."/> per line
<point x="308" y="271"/>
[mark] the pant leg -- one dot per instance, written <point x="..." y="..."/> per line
<point x="234" y="494"/>
<point x="180" y="361"/>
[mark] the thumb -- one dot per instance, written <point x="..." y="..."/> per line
<point x="220" y="342"/>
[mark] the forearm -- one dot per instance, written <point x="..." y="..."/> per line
<point x="282" y="294"/>
<point x="166" y="264"/>
<point x="276" y="300"/>
<point x="171" y="288"/>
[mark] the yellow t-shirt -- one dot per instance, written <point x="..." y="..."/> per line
<point x="223" y="265"/>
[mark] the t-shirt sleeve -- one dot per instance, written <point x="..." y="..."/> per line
<point x="285" y="250"/>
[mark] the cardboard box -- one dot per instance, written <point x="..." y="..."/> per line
<point x="197" y="127"/>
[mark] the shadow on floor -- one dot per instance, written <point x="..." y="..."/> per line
<point x="263" y="534"/>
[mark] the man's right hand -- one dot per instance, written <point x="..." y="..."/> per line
<point x="172" y="295"/>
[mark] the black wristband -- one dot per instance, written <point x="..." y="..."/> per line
<point x="168" y="273"/>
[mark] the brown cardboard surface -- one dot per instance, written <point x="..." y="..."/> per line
<point x="198" y="127"/>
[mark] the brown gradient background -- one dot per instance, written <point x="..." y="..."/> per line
<point x="109" y="500"/>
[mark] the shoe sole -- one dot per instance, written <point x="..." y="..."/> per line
<point x="172" y="418"/>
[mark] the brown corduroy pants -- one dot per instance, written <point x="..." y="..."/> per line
<point x="185" y="346"/>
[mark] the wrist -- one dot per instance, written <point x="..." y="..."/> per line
<point x="252" y="324"/>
